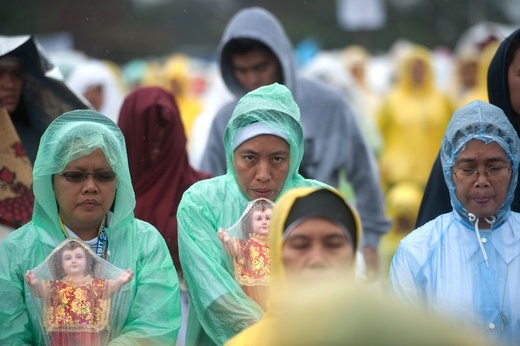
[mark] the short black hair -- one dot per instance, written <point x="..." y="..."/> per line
<point x="243" y="46"/>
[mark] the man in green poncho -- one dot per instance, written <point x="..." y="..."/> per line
<point x="264" y="147"/>
<point x="82" y="189"/>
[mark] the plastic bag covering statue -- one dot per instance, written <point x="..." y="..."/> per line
<point x="247" y="242"/>
<point x="283" y="285"/>
<point x="44" y="96"/>
<point x="132" y="243"/>
<point x="78" y="291"/>
<point x="453" y="264"/>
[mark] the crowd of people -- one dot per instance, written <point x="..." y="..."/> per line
<point x="176" y="202"/>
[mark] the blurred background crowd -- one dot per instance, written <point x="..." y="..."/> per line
<point x="403" y="65"/>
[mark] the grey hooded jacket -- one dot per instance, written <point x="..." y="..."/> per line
<point x="332" y="138"/>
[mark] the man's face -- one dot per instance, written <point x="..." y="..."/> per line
<point x="514" y="82"/>
<point x="317" y="249"/>
<point x="255" y="69"/>
<point x="11" y="83"/>
<point x="261" y="165"/>
<point x="481" y="195"/>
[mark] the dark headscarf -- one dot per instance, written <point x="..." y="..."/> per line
<point x="326" y="204"/>
<point x="158" y="184"/>
<point x="497" y="80"/>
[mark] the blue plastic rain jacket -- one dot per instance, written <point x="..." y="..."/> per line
<point x="449" y="263"/>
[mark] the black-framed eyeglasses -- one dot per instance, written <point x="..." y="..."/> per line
<point x="78" y="177"/>
<point x="492" y="173"/>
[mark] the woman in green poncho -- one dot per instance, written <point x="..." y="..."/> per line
<point x="82" y="189"/>
<point x="264" y="148"/>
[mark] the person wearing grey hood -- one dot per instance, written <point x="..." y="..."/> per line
<point x="466" y="263"/>
<point x="255" y="51"/>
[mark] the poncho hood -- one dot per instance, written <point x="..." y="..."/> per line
<point x="405" y="83"/>
<point x="497" y="80"/>
<point x="71" y="136"/>
<point x="258" y="24"/>
<point x="44" y="95"/>
<point x="487" y="123"/>
<point x="274" y="106"/>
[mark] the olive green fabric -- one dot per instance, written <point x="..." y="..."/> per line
<point x="150" y="311"/>
<point x="219" y="307"/>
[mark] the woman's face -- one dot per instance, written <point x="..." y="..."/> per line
<point x="262" y="165"/>
<point x="317" y="248"/>
<point x="83" y="205"/>
<point x="74" y="262"/>
<point x="260" y="221"/>
<point x="11" y="83"/>
<point x="481" y="195"/>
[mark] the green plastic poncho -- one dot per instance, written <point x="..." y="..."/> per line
<point x="150" y="312"/>
<point x="219" y="307"/>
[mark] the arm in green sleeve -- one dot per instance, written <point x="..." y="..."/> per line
<point x="220" y="303"/>
<point x="14" y="320"/>
<point x="155" y="314"/>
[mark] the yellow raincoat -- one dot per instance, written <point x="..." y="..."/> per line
<point x="412" y="121"/>
<point x="402" y="203"/>
<point x="177" y="79"/>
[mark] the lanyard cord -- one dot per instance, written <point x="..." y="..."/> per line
<point x="490" y="220"/>
<point x="102" y="241"/>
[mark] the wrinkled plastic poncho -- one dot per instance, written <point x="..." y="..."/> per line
<point x="76" y="310"/>
<point x="150" y="310"/>
<point x="44" y="97"/>
<point x="450" y="265"/>
<point x="436" y="199"/>
<point x="487" y="123"/>
<point x="281" y="287"/>
<point x="218" y="303"/>
<point x="247" y="243"/>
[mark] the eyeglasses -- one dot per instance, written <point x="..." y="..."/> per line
<point x="492" y="173"/>
<point x="78" y="177"/>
